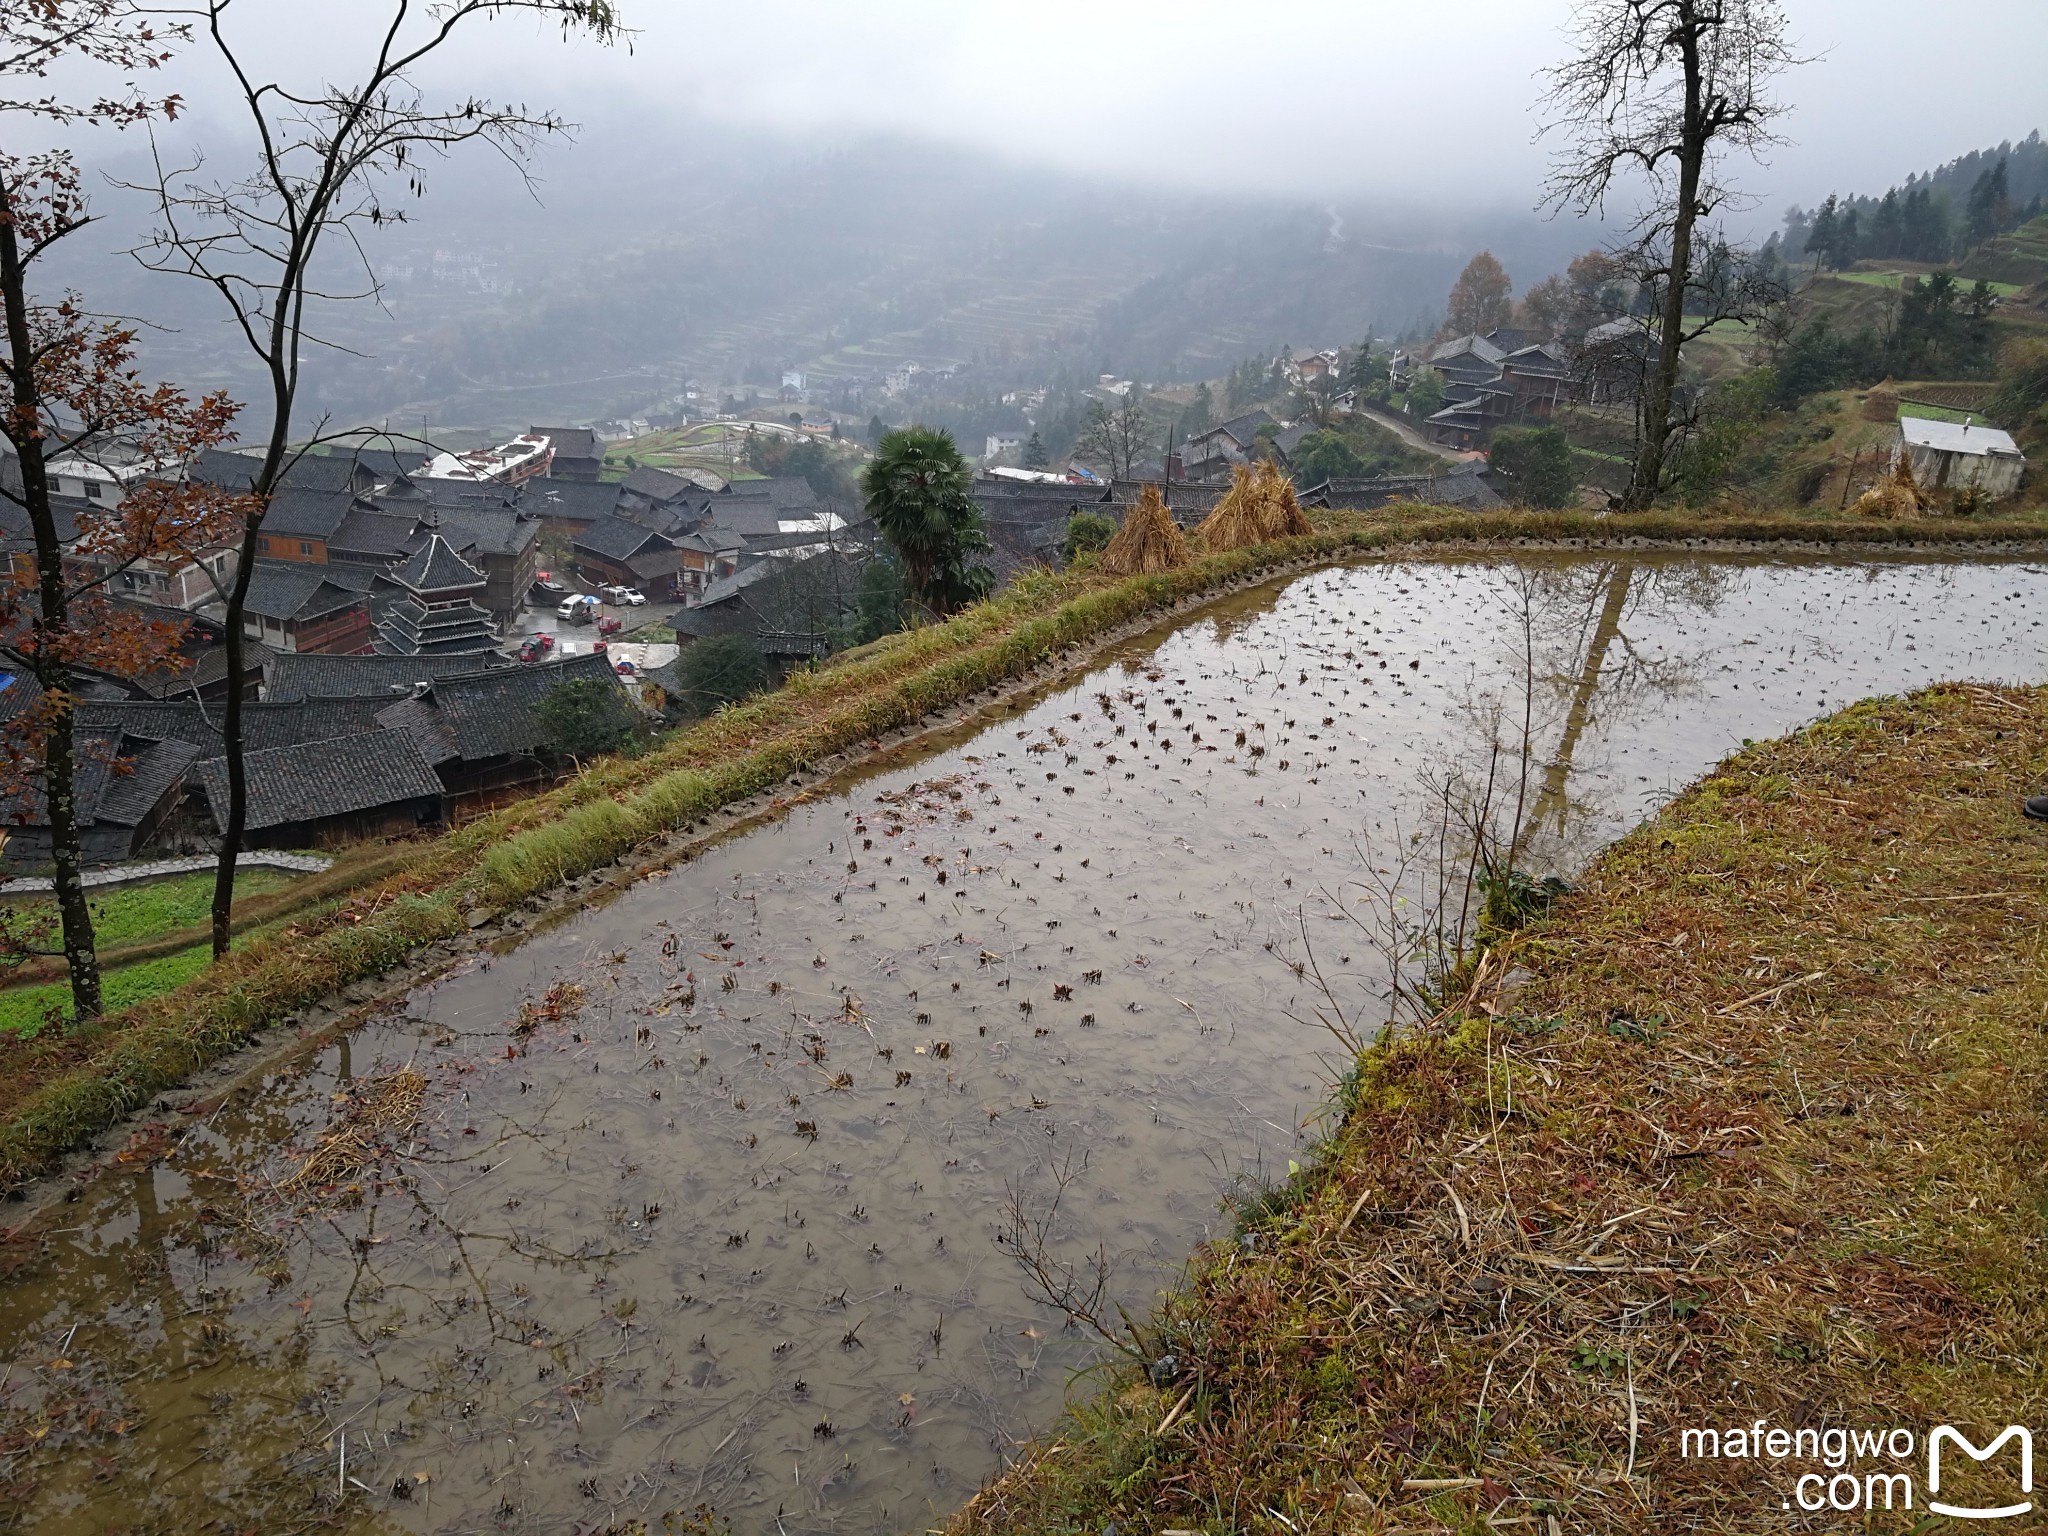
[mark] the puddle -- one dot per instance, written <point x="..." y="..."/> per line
<point x="701" y="1201"/>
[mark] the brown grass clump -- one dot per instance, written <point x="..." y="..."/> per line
<point x="1882" y="403"/>
<point x="1148" y="543"/>
<point x="1894" y="496"/>
<point x="376" y="1105"/>
<point x="1758" y="1137"/>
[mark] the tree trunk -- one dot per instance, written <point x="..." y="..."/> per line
<point x="231" y="744"/>
<point x="52" y="671"/>
<point x="1648" y="477"/>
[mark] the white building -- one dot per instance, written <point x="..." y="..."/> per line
<point x="1948" y="455"/>
<point x="1000" y="443"/>
<point x="95" y="479"/>
<point x="507" y="464"/>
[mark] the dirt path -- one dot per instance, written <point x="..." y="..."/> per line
<point x="1404" y="430"/>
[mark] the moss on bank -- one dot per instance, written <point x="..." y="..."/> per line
<point x="1755" y="1135"/>
<point x="65" y="1085"/>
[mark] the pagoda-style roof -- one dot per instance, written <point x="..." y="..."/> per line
<point x="434" y="570"/>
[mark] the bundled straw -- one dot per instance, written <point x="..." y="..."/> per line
<point x="1284" y="517"/>
<point x="1234" y="522"/>
<point x="1896" y="496"/>
<point x="1257" y="509"/>
<point x="1148" y="542"/>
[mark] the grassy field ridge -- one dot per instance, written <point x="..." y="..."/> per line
<point x="1750" y="1128"/>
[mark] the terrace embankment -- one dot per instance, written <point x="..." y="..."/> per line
<point x="1747" y="1132"/>
<point x="502" y="872"/>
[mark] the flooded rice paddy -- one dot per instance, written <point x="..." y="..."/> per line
<point x="695" y="1199"/>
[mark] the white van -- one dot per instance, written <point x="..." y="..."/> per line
<point x="572" y="607"/>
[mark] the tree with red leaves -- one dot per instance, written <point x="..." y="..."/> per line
<point x="69" y="390"/>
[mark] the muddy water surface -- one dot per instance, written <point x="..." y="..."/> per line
<point x="695" y="1199"/>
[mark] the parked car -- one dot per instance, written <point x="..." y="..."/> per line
<point x="609" y="625"/>
<point x="530" y="651"/>
<point x="580" y="609"/>
<point x="625" y="597"/>
<point x="545" y="585"/>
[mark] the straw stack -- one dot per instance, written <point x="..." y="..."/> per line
<point x="1258" y="508"/>
<point x="1148" y="542"/>
<point x="1895" y="496"/>
<point x="1284" y="518"/>
<point x="1235" y="521"/>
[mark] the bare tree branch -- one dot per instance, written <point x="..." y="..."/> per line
<point x="328" y="163"/>
<point x="1664" y="92"/>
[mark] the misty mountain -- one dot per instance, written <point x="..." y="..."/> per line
<point x="649" y="255"/>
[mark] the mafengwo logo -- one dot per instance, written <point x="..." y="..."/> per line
<point x="1949" y="1435"/>
<point x="1850" y="1470"/>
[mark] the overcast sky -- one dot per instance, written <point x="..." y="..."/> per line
<point x="1311" y="97"/>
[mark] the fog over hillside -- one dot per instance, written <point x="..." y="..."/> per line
<point x="1042" y="194"/>
<point x="640" y="260"/>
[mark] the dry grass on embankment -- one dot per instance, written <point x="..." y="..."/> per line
<point x="1757" y="1134"/>
<point x="60" y="1087"/>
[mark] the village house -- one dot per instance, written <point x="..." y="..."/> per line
<point x="617" y="552"/>
<point x="1211" y="453"/>
<point x="1506" y="377"/>
<point x="578" y="452"/>
<point x="1949" y="455"/>
<point x="294" y="607"/>
<point x="126" y="786"/>
<point x="482" y="731"/>
<point x="320" y="794"/>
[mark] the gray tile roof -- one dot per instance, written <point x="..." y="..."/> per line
<point x="435" y="567"/>
<point x="117" y="780"/>
<point x="658" y="484"/>
<point x="790" y="492"/>
<point x="1287" y="439"/>
<point x="154" y="771"/>
<point x="382" y="536"/>
<point x="305" y="514"/>
<point x="287" y="591"/>
<point x="572" y="500"/>
<point x="616" y="539"/>
<point x="491" y="714"/>
<point x="488" y="530"/>
<point x="265" y="725"/>
<point x="427" y="726"/>
<point x="219" y="466"/>
<point x="1467" y="346"/>
<point x="290" y="677"/>
<point x="319" y="779"/>
<point x="570" y="442"/>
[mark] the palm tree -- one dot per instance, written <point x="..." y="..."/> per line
<point x="916" y="490"/>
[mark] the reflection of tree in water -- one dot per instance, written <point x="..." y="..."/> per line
<point x="190" y="1382"/>
<point x="1585" y="673"/>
